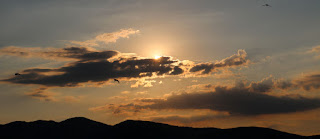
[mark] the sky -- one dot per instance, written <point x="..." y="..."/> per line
<point x="205" y="63"/>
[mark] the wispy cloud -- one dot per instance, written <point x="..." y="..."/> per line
<point x="42" y="94"/>
<point x="143" y="82"/>
<point x="315" y="49"/>
<point x="189" y="119"/>
<point x="106" y="38"/>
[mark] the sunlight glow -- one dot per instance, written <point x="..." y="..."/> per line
<point x="157" y="57"/>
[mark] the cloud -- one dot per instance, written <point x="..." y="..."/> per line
<point x="42" y="94"/>
<point x="71" y="99"/>
<point x="188" y="119"/>
<point x="236" y="101"/>
<point x="95" y="71"/>
<point x="76" y="53"/>
<point x="241" y="99"/>
<point x="200" y="88"/>
<point x="106" y="38"/>
<point x="315" y="49"/>
<point x="93" y="66"/>
<point x="176" y="71"/>
<point x="143" y="82"/>
<point x="206" y="68"/>
<point x="125" y="92"/>
<point x="80" y="50"/>
<point x="265" y="85"/>
<point x="123" y="109"/>
<point x="308" y="82"/>
<point x="283" y="84"/>
<point x="232" y="61"/>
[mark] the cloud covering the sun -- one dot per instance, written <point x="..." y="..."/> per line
<point x="96" y="66"/>
<point x="89" y="65"/>
<point x="86" y="65"/>
<point x="72" y="74"/>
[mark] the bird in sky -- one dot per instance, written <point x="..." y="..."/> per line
<point x="17" y="74"/>
<point x="116" y="80"/>
<point x="267" y="5"/>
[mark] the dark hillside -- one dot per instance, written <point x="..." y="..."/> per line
<point x="80" y="127"/>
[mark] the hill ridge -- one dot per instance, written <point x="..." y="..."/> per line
<point x="81" y="127"/>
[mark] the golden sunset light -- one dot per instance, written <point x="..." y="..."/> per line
<point x="150" y="68"/>
<point x="157" y="57"/>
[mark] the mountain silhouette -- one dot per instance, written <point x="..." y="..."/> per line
<point x="83" y="128"/>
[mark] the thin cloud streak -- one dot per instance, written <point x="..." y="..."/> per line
<point x="42" y="94"/>
<point x="106" y="38"/>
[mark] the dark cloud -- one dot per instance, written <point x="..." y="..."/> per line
<point x="206" y="68"/>
<point x="236" y="101"/>
<point x="308" y="82"/>
<point x="37" y="70"/>
<point x="78" y="53"/>
<point x="96" y="67"/>
<point x="83" y="53"/>
<point x="95" y="71"/>
<point x="283" y="84"/>
<point x="234" y="60"/>
<point x="176" y="71"/>
<point x="265" y="85"/>
<point x="242" y="99"/>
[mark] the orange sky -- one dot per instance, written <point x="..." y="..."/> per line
<point x="193" y="63"/>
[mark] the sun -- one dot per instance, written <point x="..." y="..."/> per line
<point x="157" y="57"/>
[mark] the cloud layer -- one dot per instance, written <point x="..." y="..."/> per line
<point x="252" y="99"/>
<point x="76" y="53"/>
<point x="94" y="71"/>
<point x="92" y="66"/>
<point x="236" y="101"/>
<point x="234" y="60"/>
